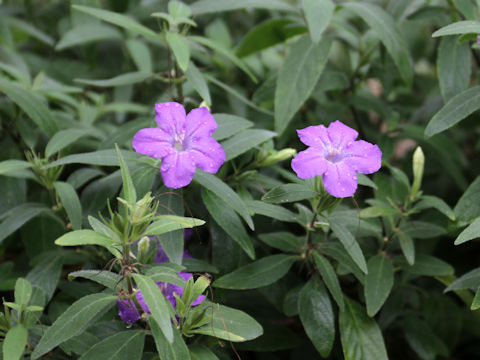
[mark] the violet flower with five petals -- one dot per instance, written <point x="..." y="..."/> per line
<point x="334" y="154"/>
<point x="183" y="142"/>
<point x="126" y="308"/>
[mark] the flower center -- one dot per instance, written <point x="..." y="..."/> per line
<point x="180" y="142"/>
<point x="334" y="155"/>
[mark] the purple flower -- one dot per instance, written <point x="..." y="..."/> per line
<point x="126" y="308"/>
<point x="334" y="154"/>
<point x="478" y="40"/>
<point x="183" y="142"/>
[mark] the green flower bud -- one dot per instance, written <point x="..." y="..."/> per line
<point x="418" y="165"/>
<point x="276" y="157"/>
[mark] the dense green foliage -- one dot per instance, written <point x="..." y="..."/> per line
<point x="288" y="271"/>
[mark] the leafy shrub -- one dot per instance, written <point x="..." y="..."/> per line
<point x="218" y="237"/>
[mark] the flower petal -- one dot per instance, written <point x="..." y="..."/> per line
<point x="341" y="135"/>
<point x="170" y="116"/>
<point x="200" y="123"/>
<point x="309" y="163"/>
<point x="363" y="157"/>
<point x="153" y="142"/>
<point x="208" y="154"/>
<point x="127" y="310"/>
<point x="316" y="136"/>
<point x="340" y="180"/>
<point x="177" y="169"/>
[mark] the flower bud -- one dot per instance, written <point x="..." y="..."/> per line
<point x="276" y="157"/>
<point x="143" y="247"/>
<point x="418" y="165"/>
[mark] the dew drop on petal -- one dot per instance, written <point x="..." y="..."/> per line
<point x="343" y="189"/>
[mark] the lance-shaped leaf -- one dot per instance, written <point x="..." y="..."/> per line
<point x="378" y="283"/>
<point x="297" y="78"/>
<point x="157" y="304"/>
<point x="168" y="223"/>
<point x="73" y="321"/>
<point x="124" y="345"/>
<point x="259" y="273"/>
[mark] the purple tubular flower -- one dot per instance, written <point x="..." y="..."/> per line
<point x="334" y="154"/>
<point x="126" y="308"/>
<point x="183" y="142"/>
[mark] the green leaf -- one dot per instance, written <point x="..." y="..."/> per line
<point x="141" y="56"/>
<point x="229" y="125"/>
<point x="73" y="321"/>
<point x="176" y="350"/>
<point x="124" y="345"/>
<point x="422" y="229"/>
<point x="273" y="211"/>
<point x="330" y="279"/>
<point x="117" y="19"/>
<point x="200" y="352"/>
<point x="422" y="339"/>
<point x="18" y="216"/>
<point x="196" y="79"/>
<point x="428" y="265"/>
<point x="12" y="166"/>
<point x="228" y="220"/>
<point x="14" y="342"/>
<point x="318" y="15"/>
<point x="160" y="273"/>
<point x="428" y="201"/>
<point x="316" y="314"/>
<point x="378" y="283"/>
<point x="257" y="274"/>
<point x="454" y="111"/>
<point x="470" y="280"/>
<point x="30" y="103"/>
<point x="361" y="337"/>
<point x="383" y="25"/>
<point x="100" y="157"/>
<point x="267" y="34"/>
<point x="120" y="80"/>
<point x="198" y="266"/>
<point x="84" y="237"/>
<point x="87" y="33"/>
<point x="70" y="201"/>
<point x="297" y="78"/>
<point x="244" y="141"/>
<point x="229" y="324"/>
<point x="211" y="6"/>
<point x="471" y="232"/>
<point x="221" y="189"/>
<point x="454" y="66"/>
<point x="169" y="223"/>
<point x="289" y="193"/>
<point x="180" y="49"/>
<point x="23" y="291"/>
<point x="128" y="187"/>
<point x="476" y="301"/>
<point x="172" y="242"/>
<point x="106" y="278"/>
<point x="468" y="206"/>
<point x="156" y="304"/>
<point x="63" y="138"/>
<point x="179" y="10"/>
<point x="284" y="241"/>
<point x="459" y="27"/>
<point x="407" y="245"/>
<point x="230" y="90"/>
<point x="46" y="274"/>
<point x="219" y="48"/>
<point x="378" y="210"/>
<point x="350" y="244"/>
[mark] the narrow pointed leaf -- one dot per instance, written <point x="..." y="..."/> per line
<point x="378" y="283"/>
<point x="73" y="321"/>
<point x="257" y="274"/>
<point x="157" y="304"/>
<point x="316" y="314"/>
